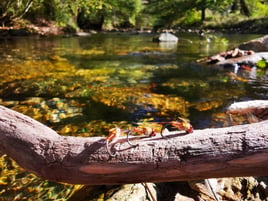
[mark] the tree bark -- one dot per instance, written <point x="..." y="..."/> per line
<point x="232" y="151"/>
<point x="244" y="10"/>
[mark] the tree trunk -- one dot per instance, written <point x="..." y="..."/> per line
<point x="223" y="152"/>
<point x="242" y="6"/>
<point x="203" y="14"/>
<point x="203" y="7"/>
<point x="244" y="10"/>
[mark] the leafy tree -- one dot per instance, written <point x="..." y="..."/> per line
<point x="110" y="13"/>
<point x="255" y="8"/>
<point x="12" y="9"/>
<point x="214" y="5"/>
<point x="241" y="5"/>
<point x="169" y="12"/>
<point x="98" y="14"/>
<point x="258" y="8"/>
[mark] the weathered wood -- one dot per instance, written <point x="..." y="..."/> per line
<point x="257" y="45"/>
<point x="249" y="59"/>
<point x="259" y="108"/>
<point x="231" y="151"/>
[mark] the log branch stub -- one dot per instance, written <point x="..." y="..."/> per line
<point x="232" y="151"/>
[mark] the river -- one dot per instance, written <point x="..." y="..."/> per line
<point x="83" y="86"/>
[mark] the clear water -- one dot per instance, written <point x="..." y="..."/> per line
<point x="82" y="86"/>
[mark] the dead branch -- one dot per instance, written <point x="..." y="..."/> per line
<point x="259" y="108"/>
<point x="223" y="152"/>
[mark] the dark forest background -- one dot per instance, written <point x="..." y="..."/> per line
<point x="133" y="14"/>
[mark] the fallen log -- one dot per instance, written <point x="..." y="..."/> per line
<point x="258" y="108"/>
<point x="232" y="151"/>
<point x="257" y="45"/>
<point x="248" y="59"/>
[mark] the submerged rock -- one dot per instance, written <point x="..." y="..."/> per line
<point x="134" y="192"/>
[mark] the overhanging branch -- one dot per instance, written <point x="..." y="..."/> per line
<point x="231" y="151"/>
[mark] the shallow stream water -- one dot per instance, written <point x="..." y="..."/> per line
<point x="83" y="86"/>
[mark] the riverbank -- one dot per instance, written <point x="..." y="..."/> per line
<point x="252" y="26"/>
<point x="48" y="28"/>
<point x="74" y="87"/>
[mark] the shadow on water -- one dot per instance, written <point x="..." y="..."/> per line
<point x="190" y="81"/>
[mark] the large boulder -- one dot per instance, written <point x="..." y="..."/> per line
<point x="166" y="37"/>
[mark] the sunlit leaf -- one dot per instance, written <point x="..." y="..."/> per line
<point x="261" y="64"/>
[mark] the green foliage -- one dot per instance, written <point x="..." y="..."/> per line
<point x="66" y="11"/>
<point x="257" y="8"/>
<point x="169" y="13"/>
<point x="192" y="17"/>
<point x="261" y="64"/>
<point x="108" y="14"/>
<point x="10" y="10"/>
